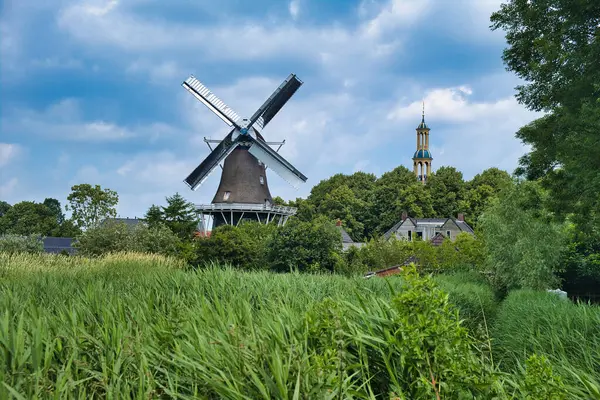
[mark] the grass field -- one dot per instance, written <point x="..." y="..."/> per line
<point x="139" y="326"/>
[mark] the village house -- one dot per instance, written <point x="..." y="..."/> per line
<point x="433" y="229"/>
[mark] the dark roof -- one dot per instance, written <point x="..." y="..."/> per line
<point x="345" y="237"/>
<point x="423" y="125"/>
<point x="463" y="226"/>
<point x="58" y="244"/>
<point x="127" y="221"/>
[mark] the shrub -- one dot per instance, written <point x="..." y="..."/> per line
<point x="113" y="237"/>
<point x="11" y="243"/>
<point x="305" y="246"/>
<point x="243" y="246"/>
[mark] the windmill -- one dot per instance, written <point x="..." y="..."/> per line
<point x="243" y="192"/>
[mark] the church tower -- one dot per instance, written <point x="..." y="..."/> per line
<point x="422" y="158"/>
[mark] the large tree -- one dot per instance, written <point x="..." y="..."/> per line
<point x="28" y="218"/>
<point x="4" y="207"/>
<point x="90" y="205"/>
<point x="55" y="207"/>
<point x="447" y="189"/>
<point x="554" y="45"/>
<point x="180" y="216"/>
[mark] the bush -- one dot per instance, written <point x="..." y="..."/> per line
<point x="243" y="246"/>
<point x="113" y="237"/>
<point x="10" y="243"/>
<point x="305" y="246"/>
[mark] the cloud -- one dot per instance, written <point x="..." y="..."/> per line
<point x="8" y="152"/>
<point x="63" y="120"/>
<point x="294" y="8"/>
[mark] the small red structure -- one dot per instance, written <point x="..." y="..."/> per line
<point x="199" y="234"/>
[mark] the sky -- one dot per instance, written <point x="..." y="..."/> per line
<point x="91" y="90"/>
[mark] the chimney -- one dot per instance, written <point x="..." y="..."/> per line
<point x="461" y="217"/>
<point x="404" y="215"/>
<point x="338" y="222"/>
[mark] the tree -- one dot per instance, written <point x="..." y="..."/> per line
<point x="55" y="207"/>
<point x="4" y="207"/>
<point x="90" y="205"/>
<point x="447" y="190"/>
<point x="305" y="246"/>
<point x="554" y="46"/>
<point x="180" y="216"/>
<point x="523" y="243"/>
<point x="28" y="218"/>
<point x="154" y="216"/>
<point x="341" y="203"/>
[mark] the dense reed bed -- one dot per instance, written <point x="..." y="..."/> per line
<point x="139" y="326"/>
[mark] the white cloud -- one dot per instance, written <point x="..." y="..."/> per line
<point x="8" y="152"/>
<point x="63" y="120"/>
<point x="294" y="8"/>
<point x="395" y="14"/>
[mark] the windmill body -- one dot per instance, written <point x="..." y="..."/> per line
<point x="243" y="191"/>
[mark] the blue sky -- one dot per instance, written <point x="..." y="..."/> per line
<point x="91" y="90"/>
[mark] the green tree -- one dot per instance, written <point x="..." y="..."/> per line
<point x="305" y="246"/>
<point x="447" y="189"/>
<point x="244" y="246"/>
<point x="552" y="45"/>
<point x="341" y="203"/>
<point x="28" y="218"/>
<point x="4" y="207"/>
<point x="481" y="189"/>
<point x="154" y="216"/>
<point x="180" y="216"/>
<point x="68" y="228"/>
<point x="523" y="243"/>
<point x="278" y="201"/>
<point x="90" y="205"/>
<point x="55" y="207"/>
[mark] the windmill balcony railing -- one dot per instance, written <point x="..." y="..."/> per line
<point x="268" y="208"/>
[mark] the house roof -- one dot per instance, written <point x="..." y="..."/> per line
<point x="58" y="244"/>
<point x="438" y="222"/>
<point x="345" y="237"/>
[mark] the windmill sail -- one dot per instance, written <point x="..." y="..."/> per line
<point x="203" y="170"/>
<point x="212" y="102"/>
<point x="277" y="163"/>
<point x="276" y="101"/>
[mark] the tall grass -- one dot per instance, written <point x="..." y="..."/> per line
<point x="568" y="334"/>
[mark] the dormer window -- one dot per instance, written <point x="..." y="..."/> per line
<point x="226" y="196"/>
<point x="262" y="180"/>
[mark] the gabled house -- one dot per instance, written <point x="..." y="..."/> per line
<point x="433" y="229"/>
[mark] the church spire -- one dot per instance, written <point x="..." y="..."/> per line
<point x="422" y="158"/>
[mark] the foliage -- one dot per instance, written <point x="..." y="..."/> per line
<point x="113" y="237"/>
<point x="244" y="246"/>
<point x="179" y="215"/>
<point x="11" y="243"/>
<point x="554" y="46"/>
<point x="305" y="246"/>
<point x="523" y="244"/>
<point x="447" y="190"/>
<point x="4" y="207"/>
<point x="56" y="209"/>
<point x="90" y="205"/>
<point x="28" y="218"/>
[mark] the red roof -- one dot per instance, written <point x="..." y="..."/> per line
<point x="202" y="234"/>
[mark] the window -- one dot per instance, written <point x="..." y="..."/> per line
<point x="262" y="180"/>
<point x="409" y="236"/>
<point x="420" y="235"/>
<point x="448" y="233"/>
<point x="226" y="196"/>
